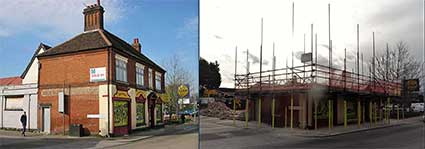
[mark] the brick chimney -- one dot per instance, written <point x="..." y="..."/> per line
<point x="93" y="17"/>
<point x="136" y="45"/>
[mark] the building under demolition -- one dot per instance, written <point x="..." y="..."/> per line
<point x="313" y="95"/>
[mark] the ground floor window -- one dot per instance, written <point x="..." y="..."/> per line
<point x="14" y="103"/>
<point x="140" y="114"/>
<point x="120" y="113"/>
<point x="159" y="113"/>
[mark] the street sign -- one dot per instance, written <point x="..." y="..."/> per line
<point x="183" y="90"/>
<point x="306" y="57"/>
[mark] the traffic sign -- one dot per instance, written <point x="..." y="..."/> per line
<point x="183" y="90"/>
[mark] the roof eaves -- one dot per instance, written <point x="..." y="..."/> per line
<point x="45" y="47"/>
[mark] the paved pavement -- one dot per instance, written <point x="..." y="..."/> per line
<point x="153" y="138"/>
<point x="408" y="133"/>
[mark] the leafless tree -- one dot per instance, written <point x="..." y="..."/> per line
<point x="397" y="64"/>
<point x="176" y="75"/>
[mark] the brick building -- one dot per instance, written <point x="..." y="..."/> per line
<point x="108" y="85"/>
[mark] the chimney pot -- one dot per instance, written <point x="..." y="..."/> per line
<point x="136" y="45"/>
<point x="93" y="14"/>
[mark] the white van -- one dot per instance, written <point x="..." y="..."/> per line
<point x="417" y="107"/>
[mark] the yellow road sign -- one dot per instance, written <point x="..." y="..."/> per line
<point x="183" y="90"/>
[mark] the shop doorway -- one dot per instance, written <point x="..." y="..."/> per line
<point x="46" y="120"/>
<point x="151" y="105"/>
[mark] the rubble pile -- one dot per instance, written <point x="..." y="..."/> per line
<point x="220" y="110"/>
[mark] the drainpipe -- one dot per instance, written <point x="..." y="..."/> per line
<point x="2" y="107"/>
<point x="109" y="81"/>
<point x="29" y="112"/>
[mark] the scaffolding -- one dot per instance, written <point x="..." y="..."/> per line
<point x="306" y="77"/>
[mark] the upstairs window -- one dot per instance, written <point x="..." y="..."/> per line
<point x="121" y="68"/>
<point x="158" y="77"/>
<point x="150" y="77"/>
<point x="140" y="72"/>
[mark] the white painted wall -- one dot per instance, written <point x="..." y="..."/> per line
<point x="32" y="74"/>
<point x="103" y="110"/>
<point x="132" y="93"/>
<point x="11" y="119"/>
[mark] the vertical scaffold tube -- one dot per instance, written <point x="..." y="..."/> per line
<point x="273" y="110"/>
<point x="329" y="114"/>
<point x="259" y="112"/>
<point x="246" y="112"/>
<point x="359" y="113"/>
<point x="345" y="113"/>
<point x="292" y="110"/>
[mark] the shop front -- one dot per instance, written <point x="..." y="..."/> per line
<point x="140" y="110"/>
<point x="121" y="113"/>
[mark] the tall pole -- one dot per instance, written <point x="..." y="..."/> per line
<point x="273" y="72"/>
<point x="311" y="45"/>
<point x="330" y="43"/>
<point x="315" y="80"/>
<point x="373" y="59"/>
<point x="312" y="41"/>
<point x="293" y="17"/>
<point x="292" y="72"/>
<point x="261" y="69"/>
<point x="234" y="98"/>
<point x="315" y="46"/>
<point x="247" y="85"/>
<point x="358" y="62"/>
<point x="292" y="94"/>
<point x="362" y="65"/>
<point x="345" y="68"/>
<point x="304" y="63"/>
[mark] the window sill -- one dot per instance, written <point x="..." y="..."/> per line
<point x="122" y="82"/>
<point x="13" y="109"/>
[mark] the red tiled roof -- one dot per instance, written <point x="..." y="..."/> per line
<point x="11" y="81"/>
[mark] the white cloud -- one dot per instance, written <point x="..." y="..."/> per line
<point x="50" y="16"/>
<point x="237" y="23"/>
<point x="189" y="29"/>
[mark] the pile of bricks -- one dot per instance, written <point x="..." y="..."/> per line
<point x="220" y="110"/>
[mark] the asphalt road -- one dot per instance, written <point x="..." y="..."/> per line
<point x="409" y="136"/>
<point x="186" y="139"/>
<point x="48" y="143"/>
<point x="182" y="136"/>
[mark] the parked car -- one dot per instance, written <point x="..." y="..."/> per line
<point x="417" y="107"/>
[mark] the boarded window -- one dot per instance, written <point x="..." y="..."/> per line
<point x="140" y="114"/>
<point x="159" y="115"/>
<point x="14" y="103"/>
<point x="120" y="113"/>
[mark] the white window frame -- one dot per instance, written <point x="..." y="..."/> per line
<point x="140" y="74"/>
<point x="158" y="77"/>
<point x="150" y="77"/>
<point x="121" y="68"/>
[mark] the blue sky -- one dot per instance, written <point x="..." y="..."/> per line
<point x="165" y="28"/>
